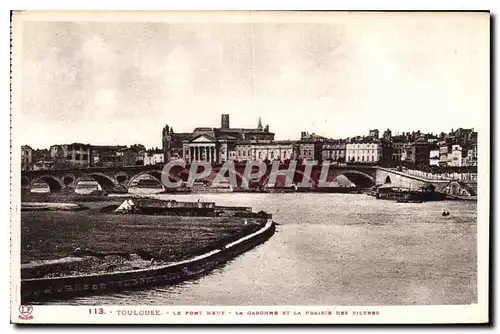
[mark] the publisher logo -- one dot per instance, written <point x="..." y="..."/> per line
<point x="25" y="312"/>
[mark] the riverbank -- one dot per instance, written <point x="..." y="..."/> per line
<point x="93" y="245"/>
<point x="106" y="242"/>
<point x="63" y="197"/>
<point x="44" y="289"/>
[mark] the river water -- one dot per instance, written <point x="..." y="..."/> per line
<point x="337" y="249"/>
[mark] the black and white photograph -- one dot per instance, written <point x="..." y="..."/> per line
<point x="250" y="167"/>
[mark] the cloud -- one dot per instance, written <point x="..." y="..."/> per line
<point x="338" y="78"/>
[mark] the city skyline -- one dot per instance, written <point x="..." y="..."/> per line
<point x="297" y="138"/>
<point x="110" y="83"/>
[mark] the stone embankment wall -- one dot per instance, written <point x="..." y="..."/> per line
<point x="39" y="289"/>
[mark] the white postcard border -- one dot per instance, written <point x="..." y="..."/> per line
<point x="387" y="314"/>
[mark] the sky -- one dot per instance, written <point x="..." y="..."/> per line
<point x="119" y="82"/>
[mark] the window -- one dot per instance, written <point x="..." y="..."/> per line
<point x="77" y="156"/>
<point x="85" y="157"/>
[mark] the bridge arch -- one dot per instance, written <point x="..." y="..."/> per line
<point x="388" y="180"/>
<point x="122" y="178"/>
<point x="106" y="182"/>
<point x="25" y="182"/>
<point x="55" y="185"/>
<point x="360" y="179"/>
<point x="156" y="174"/>
<point x="68" y="180"/>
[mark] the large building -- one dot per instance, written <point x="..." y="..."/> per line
<point x="78" y="155"/>
<point x="207" y="144"/>
<point x="173" y="143"/>
<point x="417" y="152"/>
<point x="333" y="150"/>
<point x="387" y="150"/>
<point x="75" y="155"/>
<point x="308" y="149"/>
<point x="271" y="151"/>
<point x="398" y="144"/>
<point x="214" y="145"/>
<point x="364" y="151"/>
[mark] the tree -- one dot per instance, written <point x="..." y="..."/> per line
<point x="41" y="155"/>
<point x="138" y="147"/>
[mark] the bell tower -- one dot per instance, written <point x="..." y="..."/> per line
<point x="224" y="121"/>
<point x="259" y="125"/>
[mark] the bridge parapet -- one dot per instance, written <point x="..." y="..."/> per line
<point x="416" y="176"/>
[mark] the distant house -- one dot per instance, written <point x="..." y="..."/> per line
<point x="71" y="155"/>
<point x="154" y="157"/>
<point x="434" y="157"/>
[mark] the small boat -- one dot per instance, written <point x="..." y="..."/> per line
<point x="445" y="213"/>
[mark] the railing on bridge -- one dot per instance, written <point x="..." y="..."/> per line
<point x="455" y="176"/>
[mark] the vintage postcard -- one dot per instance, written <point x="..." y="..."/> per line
<point x="250" y="167"/>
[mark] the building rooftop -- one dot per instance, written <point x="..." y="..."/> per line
<point x="107" y="147"/>
<point x="274" y="142"/>
<point x="203" y="129"/>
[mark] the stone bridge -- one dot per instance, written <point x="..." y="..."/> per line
<point x="405" y="180"/>
<point x="110" y="179"/>
<point x="118" y="179"/>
